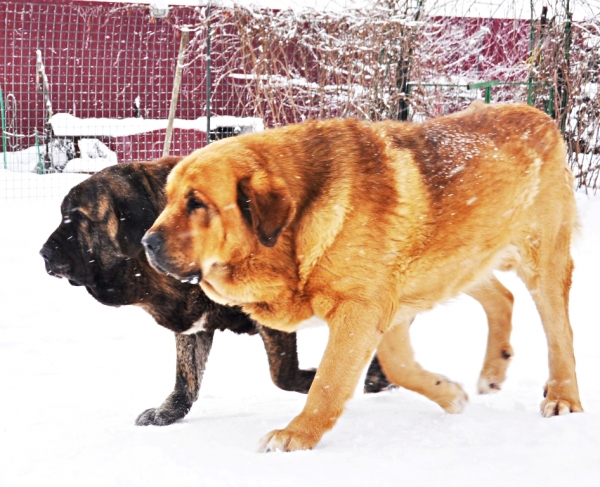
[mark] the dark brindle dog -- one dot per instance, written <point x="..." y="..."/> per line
<point x="98" y="245"/>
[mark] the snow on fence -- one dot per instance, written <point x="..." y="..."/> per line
<point x="100" y="90"/>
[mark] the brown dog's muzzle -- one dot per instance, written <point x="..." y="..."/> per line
<point x="154" y="244"/>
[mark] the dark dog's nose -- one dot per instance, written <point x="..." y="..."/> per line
<point x="153" y="242"/>
<point x="47" y="252"/>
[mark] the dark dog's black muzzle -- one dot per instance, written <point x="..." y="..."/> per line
<point x="47" y="252"/>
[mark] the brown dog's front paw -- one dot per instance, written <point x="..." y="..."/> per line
<point x="285" y="440"/>
<point x="493" y="373"/>
<point x="558" y="407"/>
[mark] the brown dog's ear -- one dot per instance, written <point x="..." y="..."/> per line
<point x="266" y="205"/>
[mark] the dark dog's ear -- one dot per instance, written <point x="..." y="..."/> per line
<point x="136" y="215"/>
<point x="136" y="211"/>
<point x="266" y="204"/>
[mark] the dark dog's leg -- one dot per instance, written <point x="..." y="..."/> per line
<point x="376" y="381"/>
<point x="192" y="353"/>
<point x="283" y="361"/>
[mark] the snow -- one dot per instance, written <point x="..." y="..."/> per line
<point x="95" y="156"/>
<point x="24" y="160"/>
<point x="29" y="159"/>
<point x="74" y="375"/>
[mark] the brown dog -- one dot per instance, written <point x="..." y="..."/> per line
<point x="368" y="224"/>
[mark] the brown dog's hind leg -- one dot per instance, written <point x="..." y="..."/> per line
<point x="192" y="353"/>
<point x="546" y="271"/>
<point x="497" y="302"/>
<point x="282" y="353"/>
<point x="397" y="360"/>
<point x="353" y="336"/>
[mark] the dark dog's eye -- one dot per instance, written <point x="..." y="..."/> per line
<point x="194" y="204"/>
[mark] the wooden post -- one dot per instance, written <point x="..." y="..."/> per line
<point x="43" y="85"/>
<point x="175" y="95"/>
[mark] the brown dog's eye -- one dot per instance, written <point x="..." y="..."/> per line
<point x="194" y="204"/>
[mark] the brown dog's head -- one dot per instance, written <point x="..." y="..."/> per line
<point x="223" y="203"/>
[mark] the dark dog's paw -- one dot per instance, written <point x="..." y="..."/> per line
<point x="304" y="380"/>
<point x="158" y="417"/>
<point x="375" y="386"/>
<point x="376" y="381"/>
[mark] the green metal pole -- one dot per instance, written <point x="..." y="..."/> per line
<point x="550" y="105"/>
<point x="3" y="127"/>
<point x="486" y="86"/>
<point x="37" y="144"/>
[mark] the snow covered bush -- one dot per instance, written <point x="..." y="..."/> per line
<point x="95" y="155"/>
<point x="404" y="59"/>
<point x="567" y="58"/>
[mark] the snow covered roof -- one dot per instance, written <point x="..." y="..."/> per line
<point x="66" y="125"/>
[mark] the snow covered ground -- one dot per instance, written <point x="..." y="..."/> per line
<point x="75" y="374"/>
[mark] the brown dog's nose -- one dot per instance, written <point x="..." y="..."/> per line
<point x="153" y="242"/>
<point x="154" y="245"/>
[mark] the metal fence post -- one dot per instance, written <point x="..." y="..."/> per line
<point x="564" y="98"/>
<point x="550" y="104"/>
<point x="487" y="86"/>
<point x="39" y="153"/>
<point x="208" y="74"/>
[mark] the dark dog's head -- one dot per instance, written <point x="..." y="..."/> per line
<point x="98" y="243"/>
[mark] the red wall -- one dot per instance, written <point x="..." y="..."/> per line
<point x="99" y="57"/>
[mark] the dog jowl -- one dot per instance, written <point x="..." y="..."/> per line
<point x="368" y="224"/>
